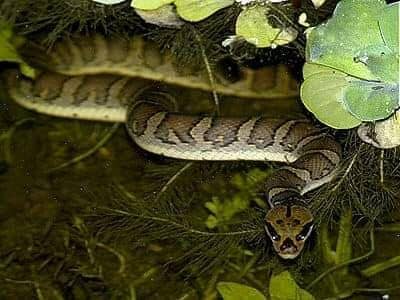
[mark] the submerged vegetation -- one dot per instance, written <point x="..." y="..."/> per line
<point x="84" y="214"/>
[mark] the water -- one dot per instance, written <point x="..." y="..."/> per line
<point x="86" y="214"/>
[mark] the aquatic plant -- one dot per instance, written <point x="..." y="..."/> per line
<point x="352" y="64"/>
<point x="8" y="49"/>
<point x="223" y="210"/>
<point x="281" y="286"/>
<point x="260" y="23"/>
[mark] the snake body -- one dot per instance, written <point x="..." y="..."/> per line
<point x="92" y="79"/>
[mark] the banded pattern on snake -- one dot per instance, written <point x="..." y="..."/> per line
<point x="105" y="92"/>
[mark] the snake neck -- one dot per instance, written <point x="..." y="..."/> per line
<point x="288" y="197"/>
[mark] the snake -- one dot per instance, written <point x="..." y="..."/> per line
<point x="96" y="78"/>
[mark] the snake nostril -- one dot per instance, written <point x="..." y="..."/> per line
<point x="287" y="244"/>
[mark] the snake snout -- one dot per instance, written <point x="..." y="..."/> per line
<point x="288" y="246"/>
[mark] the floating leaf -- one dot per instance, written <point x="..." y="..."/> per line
<point x="371" y="101"/>
<point x="323" y="94"/>
<point x="382" y="62"/>
<point x="237" y="291"/>
<point x="197" y="10"/>
<point x="108" y="2"/>
<point x="310" y="69"/>
<point x="9" y="53"/>
<point x="360" y="45"/>
<point x="353" y="26"/>
<point x="389" y="26"/>
<point x="252" y="24"/>
<point x="283" y="287"/>
<point x="164" y="16"/>
<point x="149" y="4"/>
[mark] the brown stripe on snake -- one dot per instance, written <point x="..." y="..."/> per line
<point x="175" y="129"/>
<point x="223" y="132"/>
<point x="48" y="86"/>
<point x="263" y="132"/>
<point x="95" y="89"/>
<point x="135" y="57"/>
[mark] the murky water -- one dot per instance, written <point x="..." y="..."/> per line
<point x="86" y="214"/>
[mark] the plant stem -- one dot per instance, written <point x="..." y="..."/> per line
<point x="88" y="153"/>
<point x="346" y="263"/>
<point x="382" y="266"/>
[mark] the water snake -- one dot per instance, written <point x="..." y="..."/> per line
<point x="94" y="78"/>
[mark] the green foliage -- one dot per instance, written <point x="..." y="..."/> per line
<point x="223" y="210"/>
<point x="283" y="287"/>
<point x="252" y="24"/>
<point x="189" y="10"/>
<point x="8" y="51"/>
<point x="197" y="10"/>
<point x="149" y="4"/>
<point x="353" y="65"/>
<point x="236" y="291"/>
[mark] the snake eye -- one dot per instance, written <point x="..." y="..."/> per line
<point x="305" y="232"/>
<point x="300" y="237"/>
<point x="272" y="233"/>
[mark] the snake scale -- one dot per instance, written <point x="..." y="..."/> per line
<point x="95" y="78"/>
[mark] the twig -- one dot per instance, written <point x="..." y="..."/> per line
<point x="209" y="71"/>
<point x="88" y="153"/>
<point x="172" y="179"/>
<point x="381" y="166"/>
<point x="348" y="169"/>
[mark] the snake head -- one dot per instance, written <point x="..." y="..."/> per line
<point x="288" y="227"/>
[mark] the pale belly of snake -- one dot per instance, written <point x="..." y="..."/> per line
<point x="94" y="78"/>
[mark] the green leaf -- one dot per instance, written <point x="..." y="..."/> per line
<point x="237" y="291"/>
<point x="389" y="25"/>
<point x="252" y="24"/>
<point x="283" y="287"/>
<point x="382" y="62"/>
<point x="149" y="4"/>
<point x="371" y="101"/>
<point x="197" y="10"/>
<point x="353" y="26"/>
<point x="9" y="53"/>
<point x="108" y="2"/>
<point x="323" y="93"/>
<point x="310" y="69"/>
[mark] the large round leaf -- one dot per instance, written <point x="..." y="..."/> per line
<point x="323" y="92"/>
<point x="381" y="61"/>
<point x="371" y="101"/>
<point x="283" y="287"/>
<point x="353" y="26"/>
<point x="310" y="69"/>
<point x="252" y="24"/>
<point x="197" y="10"/>
<point x="389" y="26"/>
<point x="149" y="4"/>
<point x="237" y="291"/>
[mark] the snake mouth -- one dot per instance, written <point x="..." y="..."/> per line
<point x="288" y="249"/>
